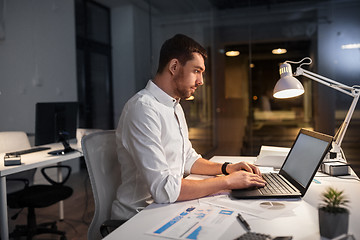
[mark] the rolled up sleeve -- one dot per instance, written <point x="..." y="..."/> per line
<point x="167" y="191"/>
<point x="192" y="156"/>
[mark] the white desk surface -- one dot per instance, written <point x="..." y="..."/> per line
<point x="38" y="159"/>
<point x="29" y="161"/>
<point x="301" y="222"/>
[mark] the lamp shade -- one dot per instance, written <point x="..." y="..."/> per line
<point x="287" y="86"/>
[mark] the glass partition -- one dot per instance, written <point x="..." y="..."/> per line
<point x="234" y="112"/>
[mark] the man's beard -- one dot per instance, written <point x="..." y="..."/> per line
<point x="183" y="93"/>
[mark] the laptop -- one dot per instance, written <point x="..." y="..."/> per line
<point x="297" y="171"/>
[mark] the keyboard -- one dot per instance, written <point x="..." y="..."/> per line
<point x="254" y="236"/>
<point x="27" y="151"/>
<point x="275" y="184"/>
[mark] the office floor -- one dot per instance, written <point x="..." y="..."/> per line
<point x="78" y="211"/>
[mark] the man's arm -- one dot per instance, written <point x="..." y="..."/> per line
<point x="242" y="175"/>
<point x="206" y="167"/>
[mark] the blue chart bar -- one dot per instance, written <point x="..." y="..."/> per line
<point x="171" y="222"/>
<point x="194" y="234"/>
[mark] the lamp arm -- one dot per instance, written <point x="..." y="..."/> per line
<point x="351" y="91"/>
<point x="326" y="81"/>
<point x="341" y="132"/>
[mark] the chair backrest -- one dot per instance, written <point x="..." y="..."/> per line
<point x="13" y="141"/>
<point x="100" y="155"/>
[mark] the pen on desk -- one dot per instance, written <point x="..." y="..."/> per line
<point x="243" y="222"/>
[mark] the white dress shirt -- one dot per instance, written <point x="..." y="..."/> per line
<point x="153" y="149"/>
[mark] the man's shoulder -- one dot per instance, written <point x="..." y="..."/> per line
<point x="142" y="98"/>
<point x="140" y="108"/>
<point x="143" y="103"/>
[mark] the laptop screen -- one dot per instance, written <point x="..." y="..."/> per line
<point x="306" y="153"/>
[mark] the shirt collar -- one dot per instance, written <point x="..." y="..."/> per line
<point x="160" y="95"/>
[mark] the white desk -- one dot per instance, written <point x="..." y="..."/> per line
<point x="29" y="161"/>
<point x="301" y="223"/>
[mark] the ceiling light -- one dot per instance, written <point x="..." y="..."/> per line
<point x="232" y="53"/>
<point x="350" y="46"/>
<point x="279" y="51"/>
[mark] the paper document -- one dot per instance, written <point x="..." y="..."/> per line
<point x="272" y="156"/>
<point x="200" y="222"/>
<point x="265" y="208"/>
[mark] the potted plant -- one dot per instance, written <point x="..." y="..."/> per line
<point x="333" y="214"/>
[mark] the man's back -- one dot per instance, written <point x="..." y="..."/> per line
<point x="153" y="147"/>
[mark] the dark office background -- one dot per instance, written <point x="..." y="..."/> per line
<point x="100" y="53"/>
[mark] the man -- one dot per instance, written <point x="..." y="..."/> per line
<point x="153" y="144"/>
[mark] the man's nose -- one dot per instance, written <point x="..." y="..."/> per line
<point x="200" y="80"/>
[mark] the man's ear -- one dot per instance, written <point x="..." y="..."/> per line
<point x="173" y="65"/>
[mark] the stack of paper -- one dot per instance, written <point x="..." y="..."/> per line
<point x="272" y="156"/>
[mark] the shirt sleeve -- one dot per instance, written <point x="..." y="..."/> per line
<point x="191" y="157"/>
<point x="142" y="139"/>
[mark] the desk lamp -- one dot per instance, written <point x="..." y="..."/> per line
<point x="288" y="86"/>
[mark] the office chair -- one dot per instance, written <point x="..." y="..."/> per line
<point x="10" y="142"/>
<point x="100" y="155"/>
<point x="33" y="196"/>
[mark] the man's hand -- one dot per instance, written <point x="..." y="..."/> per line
<point x="244" y="175"/>
<point x="244" y="179"/>
<point x="243" y="166"/>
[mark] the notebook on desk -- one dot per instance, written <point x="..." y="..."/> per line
<point x="297" y="171"/>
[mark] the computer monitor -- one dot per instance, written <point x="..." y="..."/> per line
<point x="56" y="122"/>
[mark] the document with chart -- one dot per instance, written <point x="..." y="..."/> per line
<point x="196" y="222"/>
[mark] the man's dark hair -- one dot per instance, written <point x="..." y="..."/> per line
<point x="180" y="47"/>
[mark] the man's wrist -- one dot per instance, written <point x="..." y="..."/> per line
<point x="223" y="168"/>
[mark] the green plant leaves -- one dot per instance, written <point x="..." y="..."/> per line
<point x="334" y="201"/>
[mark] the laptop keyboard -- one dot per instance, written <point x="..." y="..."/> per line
<point x="275" y="184"/>
<point x="254" y="236"/>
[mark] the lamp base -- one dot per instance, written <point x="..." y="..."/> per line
<point x="334" y="157"/>
<point x="335" y="168"/>
<point x="335" y="154"/>
<point x="335" y="163"/>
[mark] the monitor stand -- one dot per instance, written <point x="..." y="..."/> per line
<point x="67" y="148"/>
<point x="62" y="152"/>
